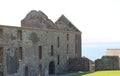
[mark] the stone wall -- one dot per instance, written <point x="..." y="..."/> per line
<point x="81" y="64"/>
<point x="32" y="38"/>
<point x="107" y="63"/>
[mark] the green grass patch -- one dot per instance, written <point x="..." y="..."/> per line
<point x="102" y="73"/>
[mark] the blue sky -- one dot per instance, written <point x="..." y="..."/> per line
<point x="97" y="50"/>
<point x="99" y="20"/>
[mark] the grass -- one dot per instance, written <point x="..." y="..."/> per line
<point x="102" y="73"/>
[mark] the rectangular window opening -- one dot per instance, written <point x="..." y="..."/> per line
<point x="67" y="48"/>
<point x="1" y="54"/>
<point x="58" y="42"/>
<point x="40" y="70"/>
<point x="19" y="35"/>
<point x="26" y="71"/>
<point x="58" y="58"/>
<point x="52" y="50"/>
<point x="1" y="33"/>
<point x="40" y="52"/>
<point x="67" y="36"/>
<point x="20" y="54"/>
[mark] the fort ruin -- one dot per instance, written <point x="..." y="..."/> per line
<point x="39" y="47"/>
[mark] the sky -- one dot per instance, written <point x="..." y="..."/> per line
<point x="99" y="20"/>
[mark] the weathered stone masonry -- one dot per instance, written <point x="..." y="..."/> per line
<point x="39" y="47"/>
<point x="107" y="63"/>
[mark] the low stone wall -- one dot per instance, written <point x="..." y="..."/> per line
<point x="107" y="63"/>
<point x="80" y="64"/>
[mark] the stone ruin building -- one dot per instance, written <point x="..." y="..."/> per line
<point x="81" y="64"/>
<point x="39" y="47"/>
<point x="109" y="62"/>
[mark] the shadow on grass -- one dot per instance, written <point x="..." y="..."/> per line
<point x="82" y="74"/>
<point x="66" y="72"/>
